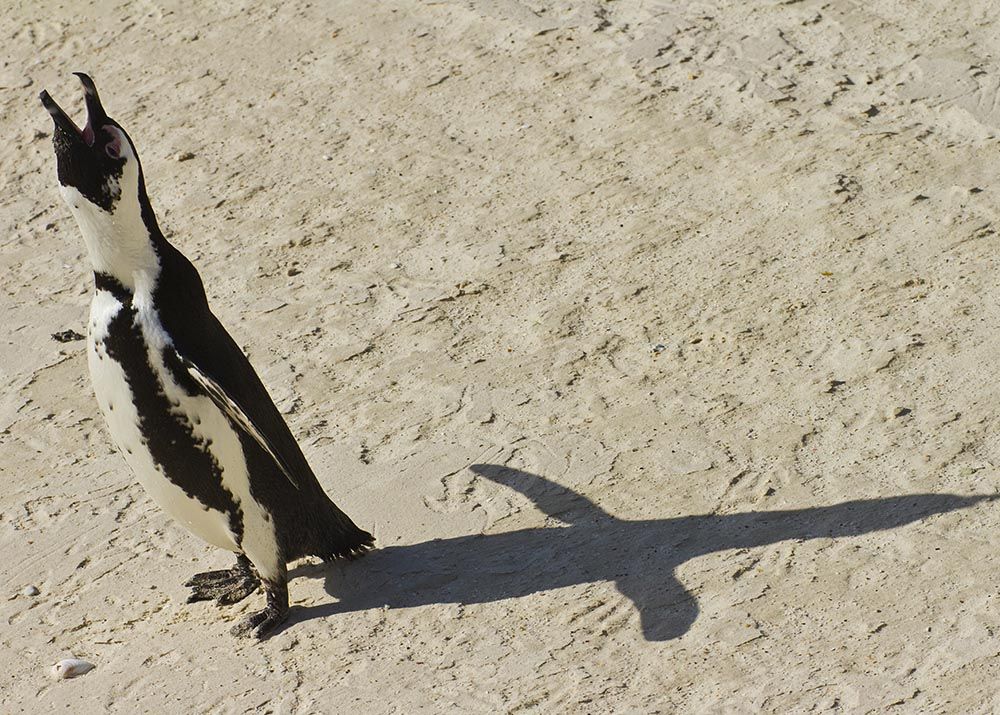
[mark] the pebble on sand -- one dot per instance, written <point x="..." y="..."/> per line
<point x="70" y="668"/>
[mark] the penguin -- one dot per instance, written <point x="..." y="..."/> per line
<point x="182" y="402"/>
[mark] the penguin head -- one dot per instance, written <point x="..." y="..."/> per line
<point x="100" y="179"/>
<point x="97" y="164"/>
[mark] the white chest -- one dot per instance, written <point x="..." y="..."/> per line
<point x="117" y="400"/>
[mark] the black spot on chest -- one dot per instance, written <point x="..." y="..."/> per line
<point x="182" y="457"/>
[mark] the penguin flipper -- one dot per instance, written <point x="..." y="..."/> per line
<point x="231" y="409"/>
<point x="205" y="358"/>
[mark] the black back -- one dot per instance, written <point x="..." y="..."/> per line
<point x="309" y="521"/>
<point x="199" y="337"/>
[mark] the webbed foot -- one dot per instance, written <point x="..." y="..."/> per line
<point x="227" y="586"/>
<point x="261" y="623"/>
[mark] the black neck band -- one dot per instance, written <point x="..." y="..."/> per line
<point x="104" y="281"/>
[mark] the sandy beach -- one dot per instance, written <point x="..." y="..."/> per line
<point x="656" y="342"/>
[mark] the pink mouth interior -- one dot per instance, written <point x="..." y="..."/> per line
<point x="88" y="134"/>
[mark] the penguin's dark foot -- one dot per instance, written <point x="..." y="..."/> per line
<point x="261" y="623"/>
<point x="226" y="586"/>
<point x="226" y="591"/>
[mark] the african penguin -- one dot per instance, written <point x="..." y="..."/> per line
<point x="182" y="402"/>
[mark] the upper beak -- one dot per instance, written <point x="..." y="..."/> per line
<point x="96" y="116"/>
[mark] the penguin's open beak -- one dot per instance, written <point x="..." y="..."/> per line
<point x="87" y="158"/>
<point x="96" y="116"/>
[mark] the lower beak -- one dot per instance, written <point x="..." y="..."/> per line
<point x="59" y="117"/>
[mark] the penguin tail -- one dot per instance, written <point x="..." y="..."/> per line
<point x="341" y="538"/>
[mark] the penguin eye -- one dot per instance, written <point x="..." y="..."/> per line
<point x="113" y="147"/>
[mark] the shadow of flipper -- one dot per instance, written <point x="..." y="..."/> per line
<point x="551" y="499"/>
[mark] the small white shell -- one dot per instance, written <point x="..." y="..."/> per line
<point x="70" y="668"/>
<point x="30" y="591"/>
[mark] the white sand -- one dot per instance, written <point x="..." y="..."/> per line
<point x="455" y="233"/>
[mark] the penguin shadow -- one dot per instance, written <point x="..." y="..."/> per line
<point x="640" y="556"/>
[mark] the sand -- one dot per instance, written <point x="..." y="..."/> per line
<point x="655" y="342"/>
